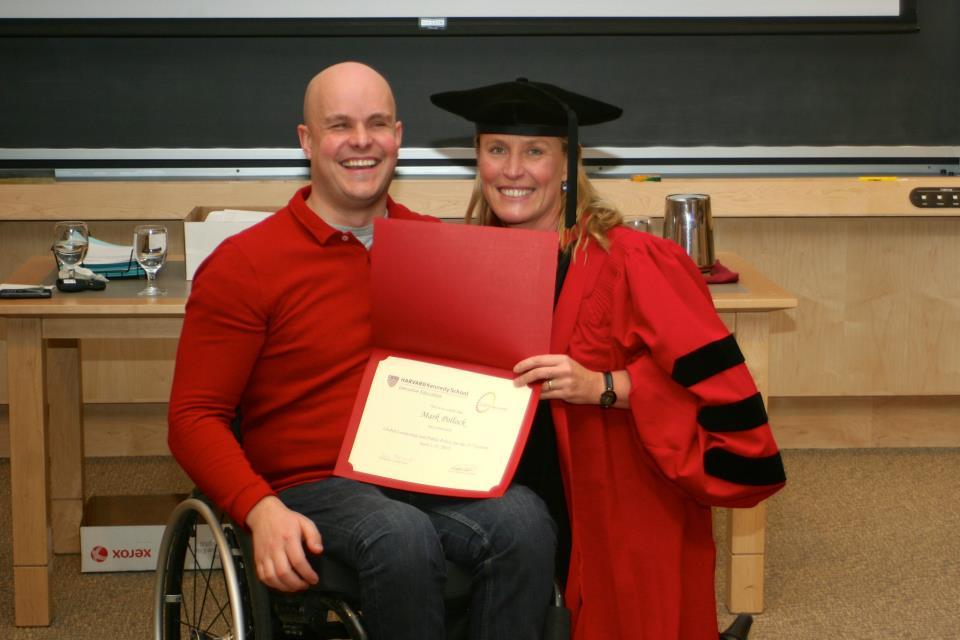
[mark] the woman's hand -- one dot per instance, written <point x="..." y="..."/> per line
<point x="561" y="377"/>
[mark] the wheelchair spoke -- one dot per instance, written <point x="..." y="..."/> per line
<point x="206" y="575"/>
<point x="221" y="617"/>
<point x="192" y="633"/>
<point x="205" y="614"/>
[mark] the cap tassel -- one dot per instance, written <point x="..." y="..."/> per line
<point x="573" y="150"/>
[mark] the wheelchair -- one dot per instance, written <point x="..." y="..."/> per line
<point x="206" y="589"/>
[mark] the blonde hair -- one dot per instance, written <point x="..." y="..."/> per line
<point x="600" y="214"/>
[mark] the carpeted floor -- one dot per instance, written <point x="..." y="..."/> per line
<point x="863" y="544"/>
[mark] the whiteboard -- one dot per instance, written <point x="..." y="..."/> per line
<point x="139" y="9"/>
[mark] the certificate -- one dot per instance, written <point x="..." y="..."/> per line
<point x="454" y="308"/>
<point x="431" y="425"/>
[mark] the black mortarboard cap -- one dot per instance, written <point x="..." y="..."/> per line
<point x="527" y="108"/>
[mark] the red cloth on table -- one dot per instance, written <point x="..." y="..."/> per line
<point x="719" y="274"/>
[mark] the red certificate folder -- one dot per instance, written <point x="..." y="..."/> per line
<point x="473" y="298"/>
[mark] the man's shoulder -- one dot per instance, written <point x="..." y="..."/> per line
<point x="271" y="229"/>
<point x="258" y="244"/>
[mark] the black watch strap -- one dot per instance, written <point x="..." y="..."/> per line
<point x="609" y="397"/>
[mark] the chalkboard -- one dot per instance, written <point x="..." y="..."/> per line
<point x="676" y="90"/>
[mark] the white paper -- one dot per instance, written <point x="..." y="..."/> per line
<point x="438" y="426"/>
<point x="237" y="215"/>
<point x="100" y="252"/>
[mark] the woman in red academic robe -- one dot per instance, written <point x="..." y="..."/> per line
<point x="656" y="416"/>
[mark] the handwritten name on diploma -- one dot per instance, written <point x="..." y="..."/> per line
<point x="439" y="426"/>
<point x="442" y="419"/>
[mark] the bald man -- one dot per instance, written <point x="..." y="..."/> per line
<point x="277" y="324"/>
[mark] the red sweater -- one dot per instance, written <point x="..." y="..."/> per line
<point x="277" y="324"/>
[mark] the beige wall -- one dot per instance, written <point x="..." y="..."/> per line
<point x="879" y="303"/>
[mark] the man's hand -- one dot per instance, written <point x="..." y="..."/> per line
<point x="279" y="536"/>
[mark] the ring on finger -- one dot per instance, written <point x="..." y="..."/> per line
<point x="549" y="385"/>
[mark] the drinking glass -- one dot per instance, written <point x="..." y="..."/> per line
<point x="150" y="250"/>
<point x="639" y="224"/>
<point x="70" y="242"/>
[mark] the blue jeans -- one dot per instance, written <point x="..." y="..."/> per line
<point x="397" y="540"/>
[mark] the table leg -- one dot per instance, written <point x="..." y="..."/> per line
<point x="66" y="443"/>
<point x="747" y="527"/>
<point x="747" y="532"/>
<point x="28" y="472"/>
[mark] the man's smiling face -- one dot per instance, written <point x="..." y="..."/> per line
<point x="352" y="138"/>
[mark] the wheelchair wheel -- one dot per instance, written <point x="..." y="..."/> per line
<point x="204" y="588"/>
<point x="316" y="614"/>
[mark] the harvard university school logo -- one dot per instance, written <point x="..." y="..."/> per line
<point x="392" y="380"/>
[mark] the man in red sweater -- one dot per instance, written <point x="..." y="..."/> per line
<point x="277" y="324"/>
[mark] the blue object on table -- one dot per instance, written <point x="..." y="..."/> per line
<point x="118" y="270"/>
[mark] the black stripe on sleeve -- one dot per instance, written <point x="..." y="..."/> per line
<point x="736" y="416"/>
<point x="731" y="467"/>
<point x="708" y="360"/>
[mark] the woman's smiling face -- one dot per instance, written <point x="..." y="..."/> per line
<point x="521" y="178"/>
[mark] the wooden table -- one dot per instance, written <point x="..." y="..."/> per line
<point x="45" y="405"/>
<point x="40" y="378"/>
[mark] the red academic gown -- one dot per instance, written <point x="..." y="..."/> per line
<point x="640" y="481"/>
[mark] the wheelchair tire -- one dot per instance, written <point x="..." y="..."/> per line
<point x="208" y="593"/>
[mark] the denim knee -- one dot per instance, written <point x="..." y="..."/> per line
<point x="524" y="535"/>
<point x="402" y="572"/>
<point x="398" y="538"/>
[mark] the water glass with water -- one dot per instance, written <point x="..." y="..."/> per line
<point x="70" y="242"/>
<point x="150" y="250"/>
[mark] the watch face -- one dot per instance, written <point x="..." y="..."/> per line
<point x="607" y="398"/>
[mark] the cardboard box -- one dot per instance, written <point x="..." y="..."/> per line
<point x="200" y="238"/>
<point x="123" y="533"/>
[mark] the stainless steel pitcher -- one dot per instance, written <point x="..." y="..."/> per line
<point x="687" y="221"/>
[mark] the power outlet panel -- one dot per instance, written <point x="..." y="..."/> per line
<point x="934" y="197"/>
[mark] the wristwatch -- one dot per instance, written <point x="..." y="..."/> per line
<point x="609" y="396"/>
